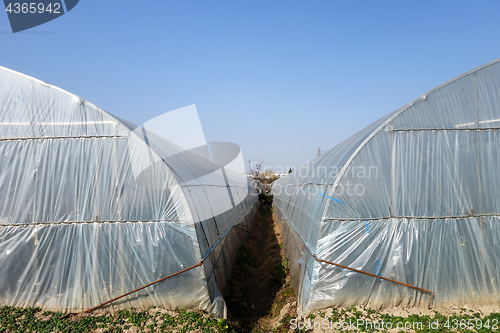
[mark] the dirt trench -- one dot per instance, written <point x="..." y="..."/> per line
<point x="261" y="298"/>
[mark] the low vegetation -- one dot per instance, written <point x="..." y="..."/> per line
<point x="357" y="319"/>
<point x="267" y="177"/>
<point x="132" y="320"/>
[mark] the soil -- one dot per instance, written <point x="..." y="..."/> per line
<point x="260" y="295"/>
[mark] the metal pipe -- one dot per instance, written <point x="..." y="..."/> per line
<point x="145" y="286"/>
<point x="378" y="277"/>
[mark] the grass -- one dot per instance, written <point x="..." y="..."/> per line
<point x="245" y="257"/>
<point x="32" y="320"/>
<point x="266" y="200"/>
<point x="280" y="271"/>
<point x="465" y="321"/>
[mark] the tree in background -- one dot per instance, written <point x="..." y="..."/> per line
<point x="254" y="168"/>
<point x="268" y="176"/>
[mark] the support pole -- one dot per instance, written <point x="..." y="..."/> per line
<point x="378" y="277"/>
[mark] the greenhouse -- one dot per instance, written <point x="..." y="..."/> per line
<point x="405" y="212"/>
<point x="93" y="207"/>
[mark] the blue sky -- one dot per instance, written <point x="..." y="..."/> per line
<point x="279" y="78"/>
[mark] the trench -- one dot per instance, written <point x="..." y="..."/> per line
<point x="260" y="296"/>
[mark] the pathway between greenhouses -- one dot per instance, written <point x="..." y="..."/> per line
<point x="261" y="297"/>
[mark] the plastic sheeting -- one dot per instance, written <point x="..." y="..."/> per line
<point x="412" y="197"/>
<point x="90" y="210"/>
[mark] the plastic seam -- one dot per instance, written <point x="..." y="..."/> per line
<point x="396" y="114"/>
<point x="88" y="222"/>
<point x="416" y="218"/>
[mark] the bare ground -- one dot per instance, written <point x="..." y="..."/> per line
<point x="261" y="297"/>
